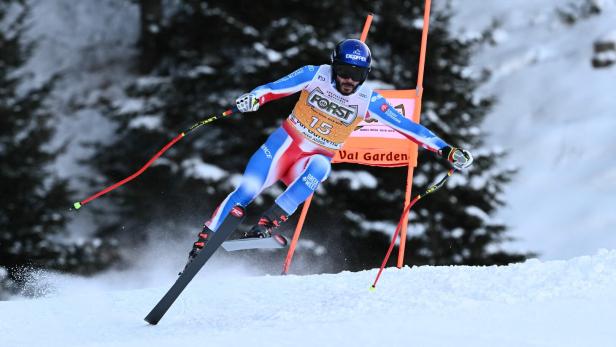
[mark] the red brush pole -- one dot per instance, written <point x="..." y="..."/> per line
<point x="430" y="189"/>
<point x="228" y="112"/>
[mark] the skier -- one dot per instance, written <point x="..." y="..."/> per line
<point x="333" y="100"/>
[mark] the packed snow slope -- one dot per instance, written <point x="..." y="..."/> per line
<point x="551" y="303"/>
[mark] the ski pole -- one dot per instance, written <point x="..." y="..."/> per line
<point x="436" y="186"/>
<point x="208" y="120"/>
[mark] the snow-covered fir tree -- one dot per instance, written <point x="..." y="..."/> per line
<point x="34" y="200"/>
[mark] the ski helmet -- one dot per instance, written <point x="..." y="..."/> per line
<point x="351" y="58"/>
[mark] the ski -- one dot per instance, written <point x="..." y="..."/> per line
<point x="275" y="241"/>
<point x="231" y="222"/>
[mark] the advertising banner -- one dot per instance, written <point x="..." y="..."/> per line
<point x="376" y="144"/>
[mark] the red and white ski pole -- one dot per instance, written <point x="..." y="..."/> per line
<point x="436" y="186"/>
<point x="208" y="120"/>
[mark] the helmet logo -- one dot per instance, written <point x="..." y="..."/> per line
<point x="355" y="57"/>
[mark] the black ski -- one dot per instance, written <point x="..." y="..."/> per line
<point x="275" y="241"/>
<point x="231" y="222"/>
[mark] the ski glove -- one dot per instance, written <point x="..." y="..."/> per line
<point x="247" y="103"/>
<point x="460" y="159"/>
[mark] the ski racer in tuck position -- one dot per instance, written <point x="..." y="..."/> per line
<point x="333" y="100"/>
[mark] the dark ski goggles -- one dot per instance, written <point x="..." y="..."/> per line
<point x="356" y="73"/>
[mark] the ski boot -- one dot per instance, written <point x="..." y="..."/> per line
<point x="204" y="236"/>
<point x="269" y="222"/>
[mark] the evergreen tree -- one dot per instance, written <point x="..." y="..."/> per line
<point x="33" y="199"/>
<point x="208" y="53"/>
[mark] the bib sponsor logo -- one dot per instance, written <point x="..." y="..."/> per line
<point x="318" y="100"/>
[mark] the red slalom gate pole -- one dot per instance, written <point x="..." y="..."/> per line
<point x="228" y="112"/>
<point x="430" y="190"/>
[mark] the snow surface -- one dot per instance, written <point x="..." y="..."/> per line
<point x="552" y="303"/>
<point x="554" y="114"/>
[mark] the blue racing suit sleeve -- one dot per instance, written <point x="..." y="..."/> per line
<point x="383" y="111"/>
<point x="287" y="85"/>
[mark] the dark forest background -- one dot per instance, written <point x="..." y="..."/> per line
<point x="194" y="58"/>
